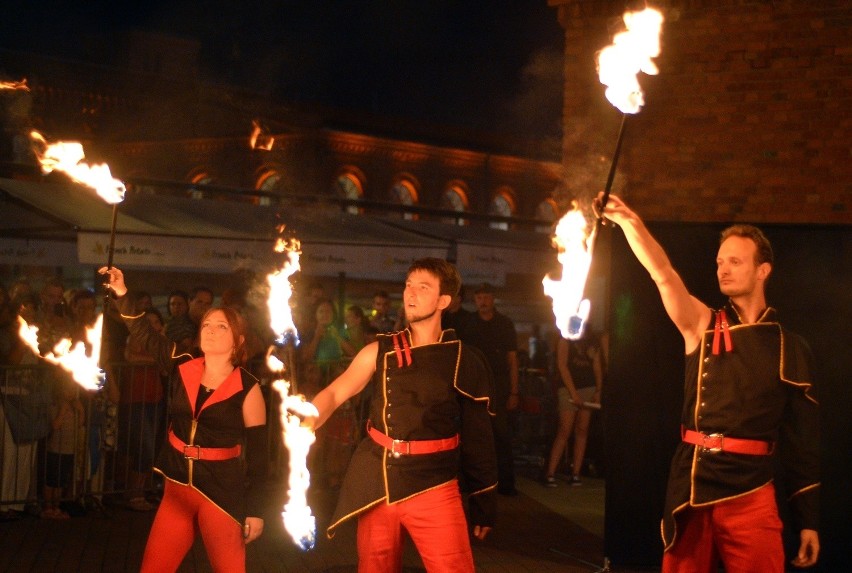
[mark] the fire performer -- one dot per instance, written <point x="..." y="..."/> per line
<point x="215" y="410"/>
<point x="429" y="418"/>
<point x="748" y="393"/>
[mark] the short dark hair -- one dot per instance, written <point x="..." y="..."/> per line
<point x="484" y="288"/>
<point x="194" y="292"/>
<point x="764" y="249"/>
<point x="448" y="276"/>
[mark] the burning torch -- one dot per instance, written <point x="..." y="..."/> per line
<point x="297" y="517"/>
<point x="618" y="65"/>
<point x="69" y="158"/>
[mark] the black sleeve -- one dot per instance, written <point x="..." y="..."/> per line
<point x="155" y="343"/>
<point x="257" y="459"/>
<point x="478" y="457"/>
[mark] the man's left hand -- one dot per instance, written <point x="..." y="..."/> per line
<point x="808" y="550"/>
<point x="480" y="531"/>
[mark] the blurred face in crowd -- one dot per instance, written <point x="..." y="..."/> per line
<point x="381" y="305"/>
<point x="484" y="303"/>
<point x="51" y="297"/>
<point x="325" y="314"/>
<point x="84" y="310"/>
<point x="178" y="305"/>
<point x="155" y="321"/>
<point x="200" y="304"/>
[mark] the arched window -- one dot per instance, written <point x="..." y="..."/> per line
<point x="404" y="192"/>
<point x="455" y="199"/>
<point x="268" y="180"/>
<point x="502" y="204"/>
<point x="348" y="185"/>
<point x="547" y="210"/>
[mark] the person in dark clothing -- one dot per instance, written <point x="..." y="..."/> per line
<point x="748" y="392"/>
<point x="493" y="333"/>
<point x="456" y="316"/>
<point x="216" y="411"/>
<point x="428" y="421"/>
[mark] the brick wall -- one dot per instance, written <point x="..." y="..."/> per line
<point x="748" y="119"/>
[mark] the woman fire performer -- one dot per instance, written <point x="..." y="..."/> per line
<point x="215" y="410"/>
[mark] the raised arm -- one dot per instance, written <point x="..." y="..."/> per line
<point x="689" y="314"/>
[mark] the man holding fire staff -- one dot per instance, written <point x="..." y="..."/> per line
<point x="748" y="394"/>
<point x="429" y="429"/>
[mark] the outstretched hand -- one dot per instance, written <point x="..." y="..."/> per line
<point x="114" y="280"/>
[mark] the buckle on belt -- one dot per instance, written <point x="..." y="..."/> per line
<point x="396" y="452"/>
<point x="720" y="442"/>
<point x="188" y="455"/>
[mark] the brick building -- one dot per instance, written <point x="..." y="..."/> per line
<point x="747" y="120"/>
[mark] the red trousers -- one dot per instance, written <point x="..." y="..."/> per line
<point x="435" y="521"/>
<point x="745" y="532"/>
<point x="182" y="514"/>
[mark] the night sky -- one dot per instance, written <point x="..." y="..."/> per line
<point x="493" y="66"/>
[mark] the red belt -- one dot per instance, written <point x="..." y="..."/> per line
<point x="720" y="443"/>
<point x="208" y="454"/>
<point x="402" y="448"/>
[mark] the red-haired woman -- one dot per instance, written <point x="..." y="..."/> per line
<point x="216" y="409"/>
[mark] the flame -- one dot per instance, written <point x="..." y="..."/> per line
<point x="71" y="357"/>
<point x="297" y="517"/>
<point x="256" y="132"/>
<point x="280" y="292"/>
<point x="630" y="53"/>
<point x="574" y="252"/>
<point x="68" y="157"/>
<point x="21" y="85"/>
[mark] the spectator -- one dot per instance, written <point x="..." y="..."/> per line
<point x="200" y="301"/>
<point x="354" y="335"/>
<point x="67" y="423"/>
<point x="383" y="318"/>
<point x="179" y="328"/>
<point x="456" y="316"/>
<point x="580" y="367"/>
<point x="141" y="413"/>
<point x="25" y="399"/>
<point x="494" y="334"/>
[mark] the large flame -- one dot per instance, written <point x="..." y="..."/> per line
<point x="297" y="517"/>
<point x="68" y="157"/>
<point x="21" y="85"/>
<point x="630" y="53"/>
<point x="573" y="245"/>
<point x="71" y="357"/>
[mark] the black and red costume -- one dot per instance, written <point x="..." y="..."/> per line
<point x="430" y="392"/>
<point x="749" y="387"/>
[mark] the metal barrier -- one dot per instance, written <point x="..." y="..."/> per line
<point x="62" y="444"/>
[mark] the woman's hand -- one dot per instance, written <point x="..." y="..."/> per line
<point x="114" y="280"/>
<point x="252" y="529"/>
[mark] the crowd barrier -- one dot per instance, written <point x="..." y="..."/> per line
<point x="100" y="455"/>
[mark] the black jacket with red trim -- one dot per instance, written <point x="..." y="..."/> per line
<point x="760" y="389"/>
<point x="429" y="392"/>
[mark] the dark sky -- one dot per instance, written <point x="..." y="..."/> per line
<point x="492" y="65"/>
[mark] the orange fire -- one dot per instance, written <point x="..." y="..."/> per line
<point x="574" y="245"/>
<point x="21" y="85"/>
<point x="257" y="132"/>
<point x="71" y="357"/>
<point x="68" y="157"/>
<point x="630" y="53"/>
<point x="297" y="517"/>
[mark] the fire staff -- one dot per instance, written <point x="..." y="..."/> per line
<point x="214" y="459"/>
<point x="748" y="395"/>
<point x="428" y="418"/>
